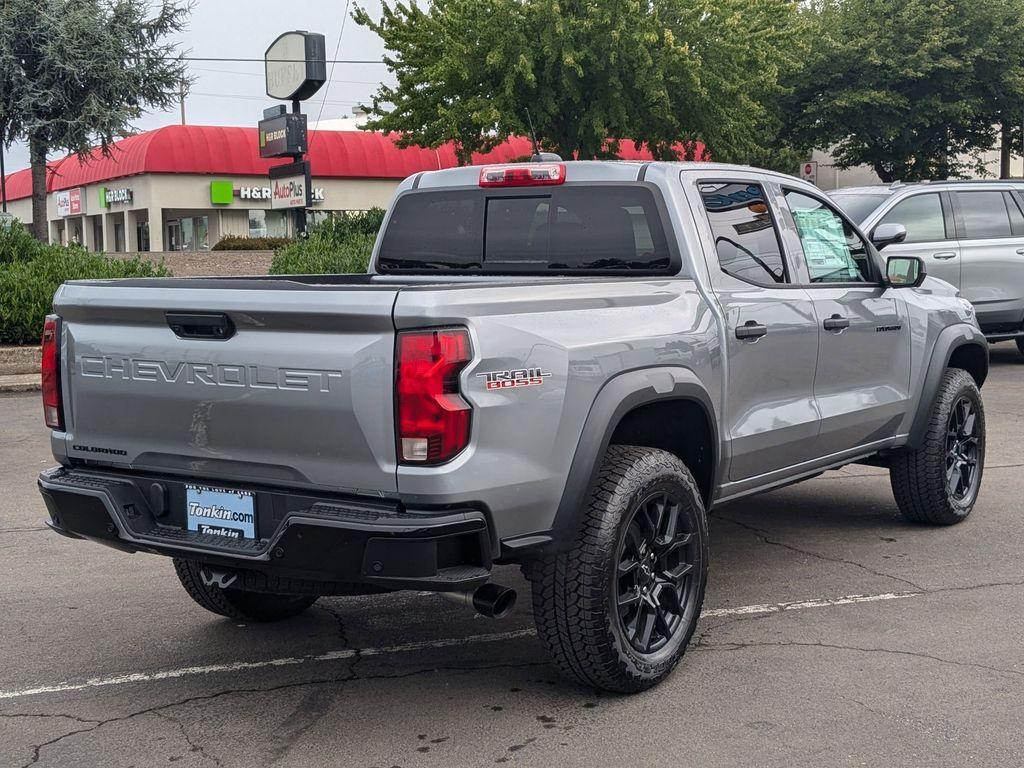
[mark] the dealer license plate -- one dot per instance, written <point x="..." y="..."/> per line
<point x="220" y="512"/>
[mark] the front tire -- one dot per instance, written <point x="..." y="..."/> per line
<point x="238" y="604"/>
<point x="1020" y="345"/>
<point x="618" y="608"/>
<point x="938" y="482"/>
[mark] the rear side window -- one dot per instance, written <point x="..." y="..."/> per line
<point x="922" y="216"/>
<point x="597" y="228"/>
<point x="746" y="241"/>
<point x="984" y="215"/>
<point x="1016" y="217"/>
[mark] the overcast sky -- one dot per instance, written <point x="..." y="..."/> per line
<point x="232" y="93"/>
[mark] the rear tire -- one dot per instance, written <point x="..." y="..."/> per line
<point x="618" y="608"/>
<point x="238" y="604"/>
<point x="938" y="482"/>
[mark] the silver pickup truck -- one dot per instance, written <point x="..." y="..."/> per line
<point x="556" y="365"/>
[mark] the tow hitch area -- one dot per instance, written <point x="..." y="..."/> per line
<point x="215" y="577"/>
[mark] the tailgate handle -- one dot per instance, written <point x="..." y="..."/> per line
<point x="201" y="325"/>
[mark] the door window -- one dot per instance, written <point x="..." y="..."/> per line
<point x="984" y="215"/>
<point x="833" y="250"/>
<point x="922" y="216"/>
<point x="1016" y="217"/>
<point x="746" y="240"/>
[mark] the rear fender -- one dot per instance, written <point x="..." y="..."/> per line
<point x="617" y="398"/>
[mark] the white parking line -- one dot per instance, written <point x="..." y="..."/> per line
<point x="349" y="653"/>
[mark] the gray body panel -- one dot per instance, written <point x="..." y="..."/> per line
<point x="301" y="396"/>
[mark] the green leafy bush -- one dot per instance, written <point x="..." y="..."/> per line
<point x="232" y="243"/>
<point x="30" y="277"/>
<point x="338" y="245"/>
<point x="321" y="255"/>
<point x="17" y="244"/>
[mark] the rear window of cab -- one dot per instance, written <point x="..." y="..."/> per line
<point x="594" y="229"/>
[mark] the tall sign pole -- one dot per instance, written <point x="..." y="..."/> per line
<point x="296" y="68"/>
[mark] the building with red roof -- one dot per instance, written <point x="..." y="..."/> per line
<point x="184" y="187"/>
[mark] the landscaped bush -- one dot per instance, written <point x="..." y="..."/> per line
<point x="31" y="272"/>
<point x="339" y="245"/>
<point x="232" y="243"/>
<point x="320" y="255"/>
<point x="17" y="244"/>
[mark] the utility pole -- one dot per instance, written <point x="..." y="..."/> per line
<point x="181" y="100"/>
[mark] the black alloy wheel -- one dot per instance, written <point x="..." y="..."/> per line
<point x="962" y="449"/>
<point x="653" y="582"/>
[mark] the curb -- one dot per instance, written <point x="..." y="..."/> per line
<point x="28" y="382"/>
<point x="19" y="360"/>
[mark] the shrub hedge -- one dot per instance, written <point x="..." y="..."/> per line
<point x="232" y="243"/>
<point x="339" y="245"/>
<point x="31" y="272"/>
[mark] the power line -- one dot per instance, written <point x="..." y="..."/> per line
<point x="338" y="102"/>
<point x="260" y="74"/>
<point x="330" y="77"/>
<point x="284" y="61"/>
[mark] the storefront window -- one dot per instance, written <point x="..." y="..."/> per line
<point x="191" y="233"/>
<point x="268" y="223"/>
<point x="201" y="225"/>
<point x="187" y="235"/>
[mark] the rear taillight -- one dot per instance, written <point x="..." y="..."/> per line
<point x="53" y="412"/>
<point x="522" y="175"/>
<point x="433" y="419"/>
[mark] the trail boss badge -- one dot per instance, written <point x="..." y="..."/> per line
<point x="521" y="377"/>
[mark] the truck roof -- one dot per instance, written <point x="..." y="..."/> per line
<point x="583" y="170"/>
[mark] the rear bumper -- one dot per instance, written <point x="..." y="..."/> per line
<point x="329" y="542"/>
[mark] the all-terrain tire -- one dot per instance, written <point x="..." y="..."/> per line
<point x="919" y="476"/>
<point x="238" y="604"/>
<point x="575" y="606"/>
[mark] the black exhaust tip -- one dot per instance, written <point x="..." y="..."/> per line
<point x="494" y="601"/>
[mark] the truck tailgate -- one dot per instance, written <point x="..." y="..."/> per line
<point x="300" y="394"/>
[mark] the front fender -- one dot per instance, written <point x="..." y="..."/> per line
<point x="946" y="344"/>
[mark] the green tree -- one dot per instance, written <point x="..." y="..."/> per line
<point x="910" y="87"/>
<point x="667" y="73"/>
<point x="75" y="73"/>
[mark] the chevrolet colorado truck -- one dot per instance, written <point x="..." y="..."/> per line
<point x="556" y="365"/>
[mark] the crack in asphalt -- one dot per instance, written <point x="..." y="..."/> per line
<point x="160" y="709"/>
<point x="192" y="745"/>
<point x="728" y="647"/>
<point x="765" y="536"/>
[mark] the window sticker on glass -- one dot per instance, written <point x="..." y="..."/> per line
<point x="823" y="240"/>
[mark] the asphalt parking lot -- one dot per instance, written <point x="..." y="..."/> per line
<point x="834" y="635"/>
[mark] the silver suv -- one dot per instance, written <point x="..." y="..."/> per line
<point x="968" y="233"/>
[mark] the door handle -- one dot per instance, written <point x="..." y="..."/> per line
<point x="946" y="255"/>
<point x="1020" y="251"/>
<point x="836" y="323"/>
<point x="751" y="330"/>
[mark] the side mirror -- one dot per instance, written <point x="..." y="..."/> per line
<point x="904" y="271"/>
<point x="888" y="234"/>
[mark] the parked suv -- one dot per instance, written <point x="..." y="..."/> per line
<point x="556" y="365"/>
<point x="969" y="233"/>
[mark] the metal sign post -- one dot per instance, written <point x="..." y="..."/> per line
<point x="296" y="68"/>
